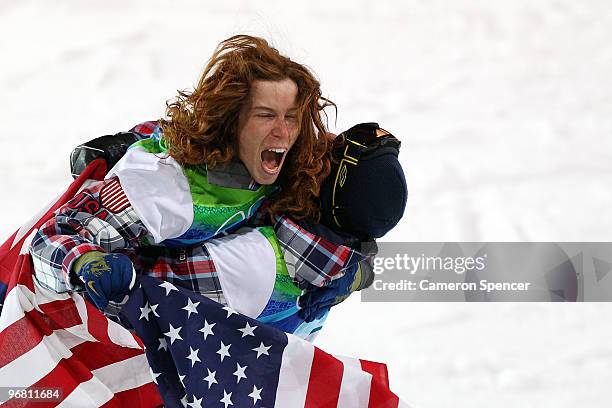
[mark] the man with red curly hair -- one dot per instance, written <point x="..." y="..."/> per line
<point x="251" y="132"/>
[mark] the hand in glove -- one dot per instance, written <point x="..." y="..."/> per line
<point x="316" y="301"/>
<point x="106" y="276"/>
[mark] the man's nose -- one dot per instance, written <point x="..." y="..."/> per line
<point x="281" y="128"/>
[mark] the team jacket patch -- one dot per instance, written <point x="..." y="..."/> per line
<point x="112" y="197"/>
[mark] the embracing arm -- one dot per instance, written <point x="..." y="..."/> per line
<point x="98" y="220"/>
<point x="324" y="264"/>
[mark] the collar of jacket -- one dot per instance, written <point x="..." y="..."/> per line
<point x="232" y="175"/>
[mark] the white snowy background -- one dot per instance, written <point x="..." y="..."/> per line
<point x="504" y="109"/>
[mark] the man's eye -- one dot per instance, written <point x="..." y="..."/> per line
<point x="265" y="115"/>
<point x="291" y="118"/>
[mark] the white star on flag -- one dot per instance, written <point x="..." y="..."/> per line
<point x="229" y="311"/>
<point x="162" y="344"/>
<point x="144" y="312"/>
<point x="191" y="307"/>
<point x="196" y="403"/>
<point x="154" y="310"/>
<point x="227" y="399"/>
<point x="210" y="378"/>
<point x="207" y="329"/>
<point x="168" y="286"/>
<point x="239" y="373"/>
<point x="173" y="333"/>
<point x="248" y="330"/>
<point x="154" y="375"/>
<point x="262" y="350"/>
<point x="224" y="351"/>
<point x="256" y="394"/>
<point x="193" y="356"/>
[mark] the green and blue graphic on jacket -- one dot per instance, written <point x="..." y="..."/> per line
<point x="281" y="311"/>
<point x="217" y="209"/>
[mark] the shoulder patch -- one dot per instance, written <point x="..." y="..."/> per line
<point x="112" y="196"/>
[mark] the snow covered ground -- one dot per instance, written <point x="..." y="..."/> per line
<point x="505" y="114"/>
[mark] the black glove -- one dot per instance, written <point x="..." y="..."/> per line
<point x="111" y="148"/>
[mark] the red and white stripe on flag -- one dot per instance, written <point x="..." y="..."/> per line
<point x="59" y="340"/>
<point x="331" y="381"/>
<point x="113" y="197"/>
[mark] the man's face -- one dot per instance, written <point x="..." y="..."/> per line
<point x="267" y="128"/>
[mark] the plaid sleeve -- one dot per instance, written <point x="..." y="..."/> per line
<point x="99" y="218"/>
<point x="145" y="128"/>
<point x="310" y="258"/>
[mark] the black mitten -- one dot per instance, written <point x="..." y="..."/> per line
<point x="110" y="147"/>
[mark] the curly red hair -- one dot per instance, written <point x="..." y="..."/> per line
<point x="201" y="126"/>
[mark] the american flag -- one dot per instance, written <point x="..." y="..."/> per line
<point x="200" y="353"/>
<point x="203" y="354"/>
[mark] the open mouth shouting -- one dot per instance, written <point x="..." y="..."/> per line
<point x="272" y="160"/>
